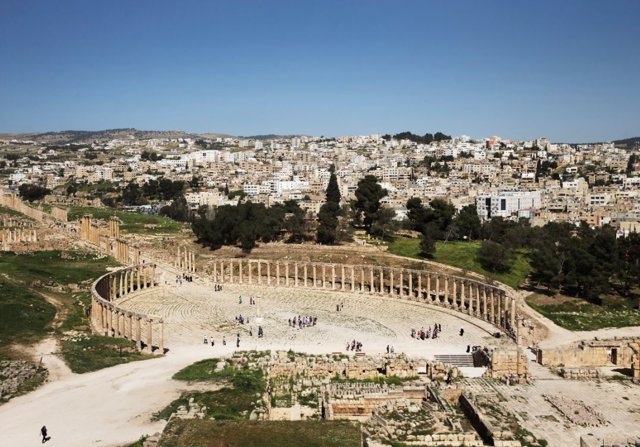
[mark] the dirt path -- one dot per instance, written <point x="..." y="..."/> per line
<point x="46" y="351"/>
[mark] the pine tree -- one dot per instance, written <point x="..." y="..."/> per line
<point x="333" y="190"/>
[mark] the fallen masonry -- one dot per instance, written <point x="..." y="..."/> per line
<point x="16" y="375"/>
<point x="395" y="398"/>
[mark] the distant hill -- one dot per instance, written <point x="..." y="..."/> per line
<point x="268" y="137"/>
<point x="628" y="143"/>
<point x="88" y="136"/>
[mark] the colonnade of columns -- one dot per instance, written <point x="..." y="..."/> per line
<point x="13" y="235"/>
<point x="120" y="250"/>
<point x="10" y="222"/>
<point x="471" y="297"/>
<point x="89" y="231"/>
<point x="114" y="227"/>
<point x="109" y="319"/>
<point x="185" y="260"/>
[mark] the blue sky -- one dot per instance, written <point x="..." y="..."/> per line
<point x="568" y="70"/>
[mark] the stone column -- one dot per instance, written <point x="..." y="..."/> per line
<point x="138" y="272"/>
<point x="333" y="276"/>
<point x="513" y="314"/>
<point x="286" y="273"/>
<point x="411" y="293"/>
<point x="315" y="279"/>
<point x="381" y="284"/>
<point x="372" y="288"/>
<point x="161" y="339"/>
<point x="419" y="285"/>
<point x="109" y="320"/>
<point x="130" y="323"/>
<point x="429" y="296"/>
<point x="457" y="304"/>
<point x="361" y="278"/>
<point x="484" y="303"/>
<point x="476" y="300"/>
<point x="215" y="271"/>
<point x="353" y="279"/>
<point x="342" y="278"/>
<point x="145" y="277"/>
<point x="277" y="273"/>
<point x="150" y="334"/>
<point x="138" y="334"/>
<point x="324" y="284"/>
<point x="437" y="295"/>
<point x="391" y="290"/>
<point x="493" y="305"/>
<point x="401" y="283"/>
<point x="306" y="274"/>
<point x="269" y="273"/>
<point x="259" y="272"/>
<point x="295" y="272"/>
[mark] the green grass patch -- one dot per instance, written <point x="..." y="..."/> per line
<point x="204" y="370"/>
<point x="463" y="255"/>
<point x="131" y="222"/>
<point x="91" y="353"/>
<point x="139" y="442"/>
<point x="579" y="315"/>
<point x="62" y="267"/>
<point x="310" y="433"/>
<point x="76" y="304"/>
<point x="24" y="315"/>
<point x="10" y="212"/>
<point x="229" y="403"/>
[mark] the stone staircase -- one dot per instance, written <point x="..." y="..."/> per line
<point x="458" y="360"/>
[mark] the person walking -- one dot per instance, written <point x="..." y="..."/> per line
<point x="43" y="432"/>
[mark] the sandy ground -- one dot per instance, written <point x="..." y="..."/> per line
<point x="618" y="402"/>
<point x="114" y="406"/>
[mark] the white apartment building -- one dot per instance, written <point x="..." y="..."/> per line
<point x="507" y="204"/>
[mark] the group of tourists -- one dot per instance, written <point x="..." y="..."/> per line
<point x="217" y="287"/>
<point x="390" y="349"/>
<point x="252" y="300"/>
<point x="421" y="334"/>
<point x="354" y="346"/>
<point x="302" y="322"/>
<point x="212" y="341"/>
<point x="183" y="277"/>
<point x="242" y="320"/>
<point x="339" y="307"/>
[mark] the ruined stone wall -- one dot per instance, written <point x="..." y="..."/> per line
<point x="12" y="201"/>
<point x="59" y="214"/>
<point x="360" y="368"/>
<point x="508" y="363"/>
<point x="589" y="354"/>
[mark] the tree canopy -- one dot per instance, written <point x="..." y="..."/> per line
<point x="368" y="196"/>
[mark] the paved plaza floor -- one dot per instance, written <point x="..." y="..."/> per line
<point x="194" y="310"/>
